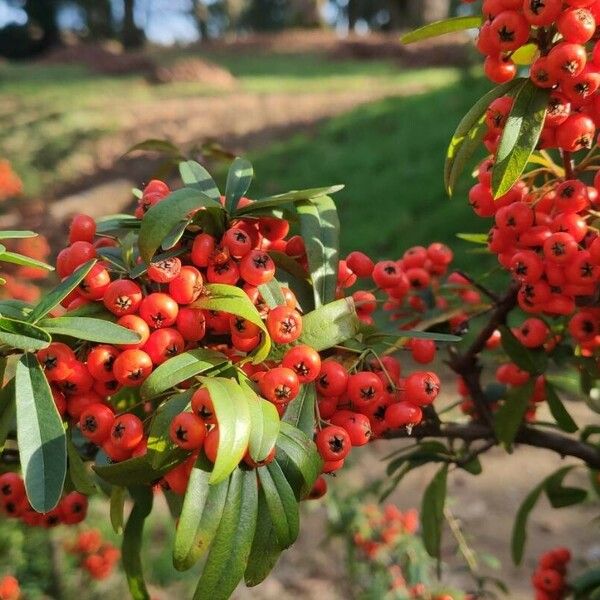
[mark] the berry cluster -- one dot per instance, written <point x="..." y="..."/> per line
<point x="97" y="556"/>
<point x="549" y="578"/>
<point x="545" y="238"/>
<point x="359" y="398"/>
<point x="557" y="32"/>
<point x="71" y="510"/>
<point x="9" y="588"/>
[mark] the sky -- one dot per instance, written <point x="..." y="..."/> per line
<point x="165" y="21"/>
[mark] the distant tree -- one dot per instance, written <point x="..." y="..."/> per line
<point x="131" y="35"/>
<point x="98" y="17"/>
<point x="305" y="13"/>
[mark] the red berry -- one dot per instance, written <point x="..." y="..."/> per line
<point x="304" y="361"/>
<point x="96" y="422"/>
<point x="132" y="367"/>
<point x="284" y="324"/>
<point x="333" y="443"/>
<point x="187" y="431"/>
<point x="127" y="430"/>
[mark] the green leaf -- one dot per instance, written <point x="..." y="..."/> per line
<point x="40" y="434"/>
<point x="558" y="410"/>
<point x="291" y="275"/>
<point x="474" y="238"/>
<point x="156" y="145"/>
<point x="88" y="328"/>
<point x="264" y="427"/>
<point x="161" y="218"/>
<point x="330" y="324"/>
<point x="78" y="472"/>
<point x="17" y="235"/>
<point x="116" y="223"/>
<point x="271" y="293"/>
<point x="201" y="514"/>
<point x="23" y="335"/>
<point x="525" y="55"/>
<point x="179" y="368"/>
<point x="282" y="503"/>
<point x="519" y="532"/>
<point x="160" y="445"/>
<point x="560" y="495"/>
<point x="54" y="297"/>
<point x="469" y="132"/>
<point x="231" y="299"/>
<point x="233" y="415"/>
<point x="509" y="417"/>
<point x="298" y="458"/>
<point x="239" y="179"/>
<point x="228" y="555"/>
<point x="195" y="175"/>
<point x="172" y="239"/>
<point x="265" y="551"/>
<point x="117" y="507"/>
<point x="532" y="361"/>
<point x="8" y="410"/>
<point x="287" y="198"/>
<point x="432" y="512"/>
<point x="519" y="137"/>
<point x="24" y="261"/>
<point x="441" y="28"/>
<point x="132" y="543"/>
<point x="138" y="471"/>
<point x="300" y="412"/>
<point x="320" y="227"/>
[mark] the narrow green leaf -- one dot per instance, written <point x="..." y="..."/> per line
<point x="265" y="551"/>
<point x="231" y="299"/>
<point x="138" y="471"/>
<point x="40" y="434"/>
<point x="264" y="427"/>
<point x="228" y="555"/>
<point x="233" y="415"/>
<point x="509" y="416"/>
<point x="560" y="495"/>
<point x="468" y="132"/>
<point x="532" y="361"/>
<point x="201" y="514"/>
<point x="519" y="532"/>
<point x="17" y="235"/>
<point x="558" y="410"/>
<point x="24" y="261"/>
<point x="300" y="412"/>
<point x="432" y="512"/>
<point x="474" y="238"/>
<point x="161" y="218"/>
<point x="23" y="335"/>
<point x="132" y="543"/>
<point x="8" y="411"/>
<point x="320" y="226"/>
<point x="287" y="198"/>
<point x="441" y="28"/>
<point x="519" y="137"/>
<point x="239" y="179"/>
<point x="271" y="293"/>
<point x="173" y="237"/>
<point x="78" y="471"/>
<point x="298" y="458"/>
<point x="53" y="298"/>
<point x="112" y="224"/>
<point x="330" y="324"/>
<point x="88" y="328"/>
<point x="160" y="445"/>
<point x="525" y="55"/>
<point x="282" y="503"/>
<point x="156" y="145"/>
<point x="117" y="508"/>
<point x="195" y="175"/>
<point x="179" y="368"/>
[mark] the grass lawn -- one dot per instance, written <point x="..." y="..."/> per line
<point x="390" y="156"/>
<point x="54" y="115"/>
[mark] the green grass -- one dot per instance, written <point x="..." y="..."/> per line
<point x="54" y="115"/>
<point x="390" y="156"/>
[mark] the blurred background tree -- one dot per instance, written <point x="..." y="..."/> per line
<point x="29" y="27"/>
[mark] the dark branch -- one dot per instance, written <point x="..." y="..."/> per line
<point x="527" y="436"/>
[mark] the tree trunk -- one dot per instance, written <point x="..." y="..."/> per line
<point x="131" y="35"/>
<point x="42" y="14"/>
<point x="99" y="18"/>
<point x="305" y="13"/>
<point x="353" y="14"/>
